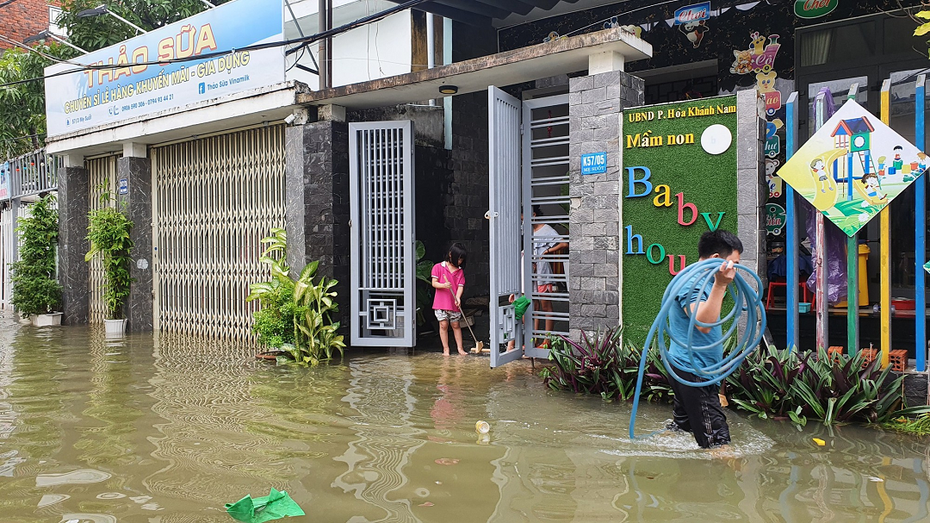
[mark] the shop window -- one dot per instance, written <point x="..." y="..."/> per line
<point x="897" y="36"/>
<point x="845" y="43"/>
<point x="676" y="90"/>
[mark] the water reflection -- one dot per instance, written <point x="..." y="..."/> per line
<point x="169" y="427"/>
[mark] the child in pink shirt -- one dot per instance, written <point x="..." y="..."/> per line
<point x="449" y="281"/>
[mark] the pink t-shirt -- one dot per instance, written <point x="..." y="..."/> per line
<point x="444" y="299"/>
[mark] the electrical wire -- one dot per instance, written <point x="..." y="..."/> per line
<point x="697" y="279"/>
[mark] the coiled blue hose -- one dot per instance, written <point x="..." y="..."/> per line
<point x="698" y="278"/>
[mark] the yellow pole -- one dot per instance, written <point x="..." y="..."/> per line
<point x="885" y="246"/>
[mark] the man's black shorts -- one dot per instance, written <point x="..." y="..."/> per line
<point x="698" y="411"/>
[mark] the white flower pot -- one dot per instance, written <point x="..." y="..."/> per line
<point x="47" y="320"/>
<point x="114" y="328"/>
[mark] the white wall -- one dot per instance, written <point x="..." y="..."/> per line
<point x="370" y="52"/>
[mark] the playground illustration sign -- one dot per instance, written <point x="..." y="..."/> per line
<point x="853" y="167"/>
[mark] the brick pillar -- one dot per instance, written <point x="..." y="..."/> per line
<point x="750" y="180"/>
<point x="317" y="181"/>
<point x="73" y="271"/>
<point x="596" y="103"/>
<point x="135" y="175"/>
<point x="752" y="191"/>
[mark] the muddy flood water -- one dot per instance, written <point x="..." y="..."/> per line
<point x="168" y="428"/>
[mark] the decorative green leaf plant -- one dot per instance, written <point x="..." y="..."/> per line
<point x="295" y="315"/>
<point x="108" y="233"/>
<point x="424" y="285"/>
<point x="35" y="289"/>
<point x="772" y="384"/>
<point x="800" y="385"/>
<point x="606" y="366"/>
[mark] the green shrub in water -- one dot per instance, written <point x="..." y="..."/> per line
<point x="795" y="385"/>
<point x="606" y="366"/>
<point x="424" y="284"/>
<point x="35" y="289"/>
<point x="295" y="314"/>
<point x="771" y="383"/>
<point x="108" y="233"/>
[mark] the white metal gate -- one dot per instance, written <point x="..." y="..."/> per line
<point x="528" y="169"/>
<point x="6" y="256"/>
<point x="505" y="191"/>
<point x="545" y="185"/>
<point x="383" y="279"/>
<point x="101" y="174"/>
<point x="214" y="199"/>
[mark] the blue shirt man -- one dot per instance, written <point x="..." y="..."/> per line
<point x="697" y="409"/>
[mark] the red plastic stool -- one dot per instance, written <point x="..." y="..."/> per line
<point x="773" y="284"/>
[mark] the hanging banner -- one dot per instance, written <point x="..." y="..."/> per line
<point x="775" y="219"/>
<point x="814" y="8"/>
<point x="692" y="13"/>
<point x="130" y="88"/>
<point x="853" y="167"/>
<point x="5" y="181"/>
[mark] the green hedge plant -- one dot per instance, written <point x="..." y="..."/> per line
<point x="35" y="287"/>
<point x="775" y="383"/>
<point x="606" y="366"/>
<point x="296" y="314"/>
<point x="770" y="383"/>
<point x="108" y="233"/>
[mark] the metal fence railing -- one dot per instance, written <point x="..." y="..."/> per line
<point x="21" y="179"/>
<point x="29" y="174"/>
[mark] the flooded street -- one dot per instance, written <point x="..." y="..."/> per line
<point x="168" y="428"/>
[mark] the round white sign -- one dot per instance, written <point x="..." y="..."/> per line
<point x="142" y="264"/>
<point x="716" y="139"/>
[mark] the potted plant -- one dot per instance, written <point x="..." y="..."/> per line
<point x="295" y="317"/>
<point x="36" y="292"/>
<point x="108" y="233"/>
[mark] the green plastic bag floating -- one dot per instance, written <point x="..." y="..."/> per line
<point x="275" y="505"/>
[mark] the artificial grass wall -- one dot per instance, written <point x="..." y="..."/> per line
<point x="705" y="180"/>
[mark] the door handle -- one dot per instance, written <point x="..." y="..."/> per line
<point x="488" y="215"/>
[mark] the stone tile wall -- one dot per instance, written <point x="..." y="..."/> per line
<point x="750" y="169"/>
<point x="466" y="198"/>
<point x="317" y="181"/>
<point x="595" y="110"/>
<point x="138" y="206"/>
<point x="73" y="271"/>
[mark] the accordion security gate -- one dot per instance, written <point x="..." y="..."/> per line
<point x="382" y="243"/>
<point x="214" y="199"/>
<point x="101" y="174"/>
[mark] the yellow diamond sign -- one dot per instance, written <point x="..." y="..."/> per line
<point x="853" y="167"/>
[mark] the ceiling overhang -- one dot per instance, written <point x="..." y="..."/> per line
<point x="561" y="56"/>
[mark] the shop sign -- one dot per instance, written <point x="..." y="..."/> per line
<point x="160" y="70"/>
<point x="594" y="163"/>
<point x="775" y="217"/>
<point x="853" y="167"/>
<point x="814" y="8"/>
<point x="692" y="13"/>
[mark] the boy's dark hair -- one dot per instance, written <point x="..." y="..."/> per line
<point x="718" y="242"/>
<point x="537" y="210"/>
<point x="457" y="252"/>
